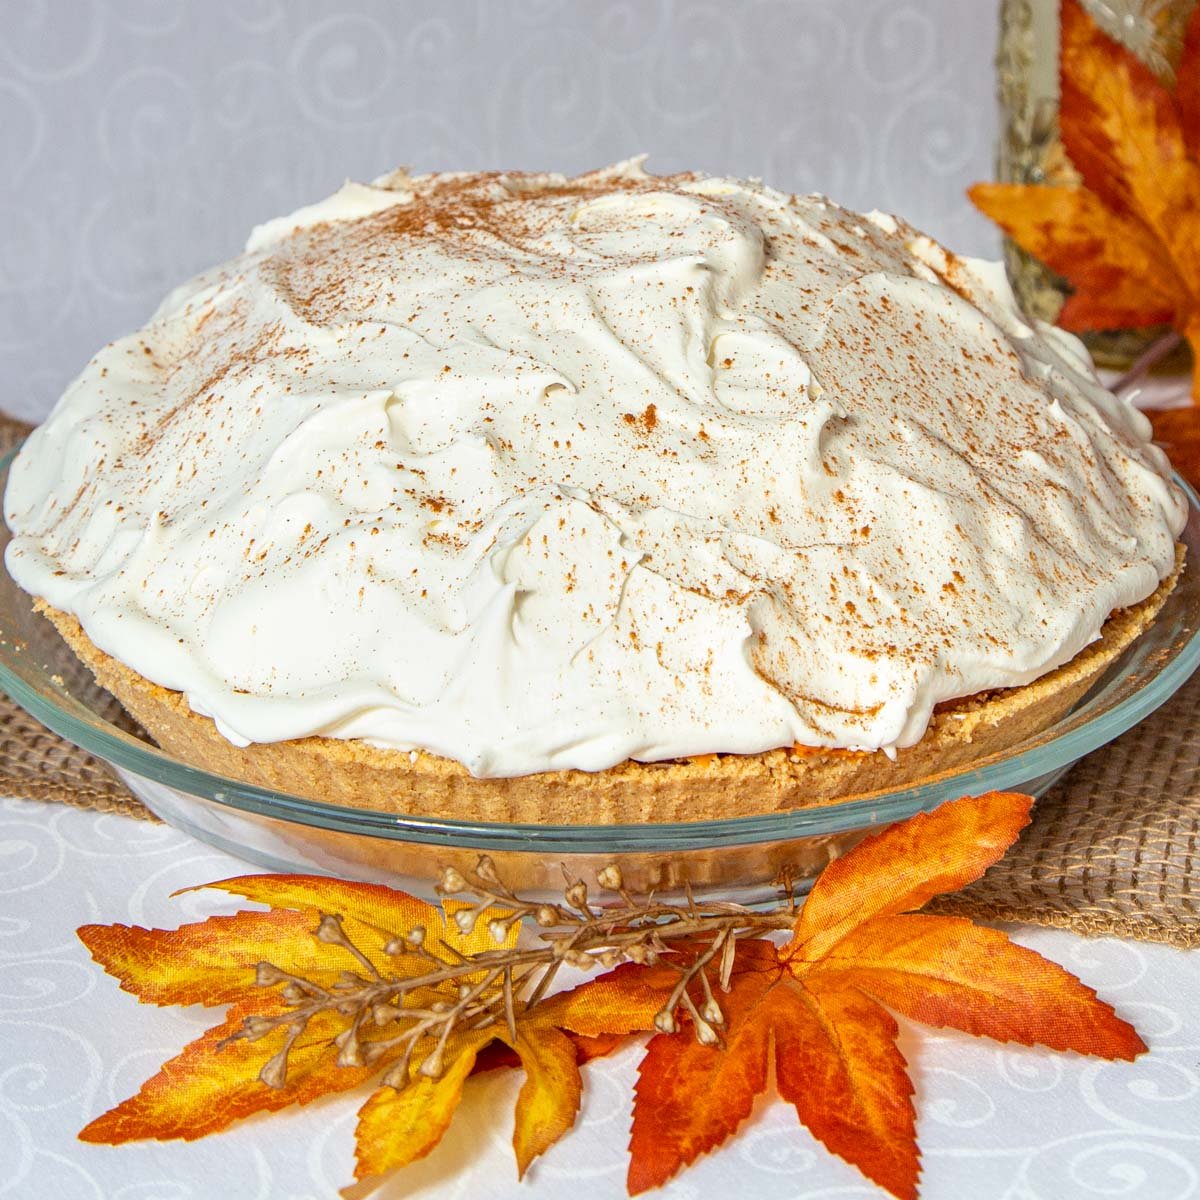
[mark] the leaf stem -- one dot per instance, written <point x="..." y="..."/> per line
<point x="1146" y="361"/>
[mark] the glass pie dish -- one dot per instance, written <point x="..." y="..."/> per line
<point x="742" y="859"/>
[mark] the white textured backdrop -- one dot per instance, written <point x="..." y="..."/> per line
<point x="140" y="139"/>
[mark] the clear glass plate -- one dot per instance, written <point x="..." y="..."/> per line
<point x="742" y="858"/>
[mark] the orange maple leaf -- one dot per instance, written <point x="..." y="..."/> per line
<point x="1127" y="238"/>
<point x="216" y="1079"/>
<point x="1177" y="431"/>
<point x="818" y="1007"/>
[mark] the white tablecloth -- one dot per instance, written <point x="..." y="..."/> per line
<point x="995" y="1120"/>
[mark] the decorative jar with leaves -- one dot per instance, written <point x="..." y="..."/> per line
<point x="1031" y="150"/>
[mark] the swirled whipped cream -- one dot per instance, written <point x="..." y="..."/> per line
<point x="536" y="472"/>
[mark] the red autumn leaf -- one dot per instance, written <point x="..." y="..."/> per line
<point x="817" y="1009"/>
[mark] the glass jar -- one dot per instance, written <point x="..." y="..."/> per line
<point x="1030" y="150"/>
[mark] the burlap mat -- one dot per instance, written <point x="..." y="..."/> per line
<point x="1113" y="848"/>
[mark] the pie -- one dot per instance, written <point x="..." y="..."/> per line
<point x="611" y="498"/>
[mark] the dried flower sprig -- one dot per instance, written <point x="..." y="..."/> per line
<point x="494" y="985"/>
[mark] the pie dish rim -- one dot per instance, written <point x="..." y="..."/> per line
<point x="1158" y="664"/>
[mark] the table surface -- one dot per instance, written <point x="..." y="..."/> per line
<point x="995" y="1120"/>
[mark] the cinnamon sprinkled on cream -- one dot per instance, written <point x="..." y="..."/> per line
<point x="536" y="472"/>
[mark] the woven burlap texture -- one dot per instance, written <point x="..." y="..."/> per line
<point x="37" y="763"/>
<point x="1112" y="849"/>
<point x="1115" y="847"/>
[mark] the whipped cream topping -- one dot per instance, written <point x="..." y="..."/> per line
<point x="536" y="472"/>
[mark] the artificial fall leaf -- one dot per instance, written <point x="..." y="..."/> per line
<point x="1127" y="238"/>
<point x="366" y="984"/>
<point x="818" y="1007"/>
<point x="623" y="1001"/>
<point x="206" y="962"/>
<point x="1177" y="430"/>
<point x="217" y="1079"/>
<point x="399" y="1126"/>
<point x="213" y="1082"/>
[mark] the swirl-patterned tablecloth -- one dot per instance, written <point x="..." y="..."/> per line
<point x="995" y="1120"/>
